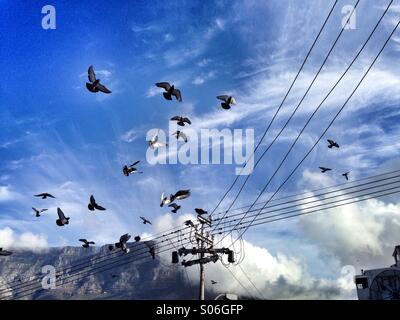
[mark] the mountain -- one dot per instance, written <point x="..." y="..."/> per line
<point x="144" y="279"/>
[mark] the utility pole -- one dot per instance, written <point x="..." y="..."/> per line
<point x="201" y="294"/>
<point x="205" y="245"/>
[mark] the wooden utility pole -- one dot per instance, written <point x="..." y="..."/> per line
<point x="201" y="294"/>
<point x="205" y="244"/>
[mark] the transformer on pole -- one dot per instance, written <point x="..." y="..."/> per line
<point x="205" y="243"/>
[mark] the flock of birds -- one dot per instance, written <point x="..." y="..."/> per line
<point x="333" y="144"/>
<point x="169" y="93"/>
<point x="94" y="85"/>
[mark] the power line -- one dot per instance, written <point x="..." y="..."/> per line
<point x="315" y="206"/>
<point x="312" y="191"/>
<point x="337" y="114"/>
<point x="252" y="283"/>
<point x="281" y="104"/>
<point x="295" y="110"/>
<point x="128" y="260"/>
<point x="318" y="210"/>
<point x="301" y="202"/>
<point x="240" y="283"/>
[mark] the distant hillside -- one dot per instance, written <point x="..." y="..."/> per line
<point x="146" y="279"/>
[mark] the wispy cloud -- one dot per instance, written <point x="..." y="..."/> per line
<point x="199" y="80"/>
<point x="130" y="136"/>
<point x="6" y="194"/>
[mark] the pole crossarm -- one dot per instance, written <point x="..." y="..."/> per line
<point x="214" y="258"/>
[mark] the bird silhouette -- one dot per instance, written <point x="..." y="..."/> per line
<point x="165" y="200"/>
<point x="154" y="143"/>
<point x="189" y="223"/>
<point x="180" y="195"/>
<point x="62" y="219"/>
<point x="228" y="101"/>
<point x="175" y="206"/>
<point x="346" y="175"/>
<point x="38" y="211"/>
<point x="45" y="195"/>
<point x="5" y="252"/>
<point x="179" y="134"/>
<point x="213" y="282"/>
<point x="94" y="84"/>
<point x="332" y="144"/>
<point x="127" y="170"/>
<point x="181" y="120"/>
<point x="200" y="211"/>
<point x="145" y="221"/>
<point x="170" y="91"/>
<point x="122" y="243"/>
<point x="93" y="205"/>
<point x="323" y="169"/>
<point x="86" y="243"/>
<point x="152" y="252"/>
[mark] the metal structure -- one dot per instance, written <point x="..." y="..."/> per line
<point x="380" y="284"/>
<point x="205" y="243"/>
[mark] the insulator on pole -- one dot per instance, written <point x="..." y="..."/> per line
<point x="175" y="257"/>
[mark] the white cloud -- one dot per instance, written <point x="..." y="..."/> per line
<point x="6" y="194"/>
<point x="23" y="241"/>
<point x="129" y="136"/>
<point x="204" y="62"/>
<point x="153" y="91"/>
<point x="276" y="276"/>
<point x="199" y="80"/>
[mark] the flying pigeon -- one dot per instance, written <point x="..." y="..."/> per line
<point x="189" y="223"/>
<point x="323" y="169"/>
<point x="94" y="84"/>
<point x="346" y="175"/>
<point x="152" y="252"/>
<point x="180" y="134"/>
<point x="200" y="211"/>
<point x="170" y="91"/>
<point x="180" y="195"/>
<point x="38" y="211"/>
<point x="93" y="205"/>
<point x="154" y="143"/>
<point x="165" y="200"/>
<point x="228" y="101"/>
<point x="62" y="219"/>
<point x="145" y="221"/>
<point x="44" y="195"/>
<point x="5" y="252"/>
<point x="181" y="120"/>
<point x="127" y="170"/>
<point x="213" y="282"/>
<point x="137" y="238"/>
<point x="86" y="243"/>
<point x="122" y="244"/>
<point x="332" y="144"/>
<point x="175" y="206"/>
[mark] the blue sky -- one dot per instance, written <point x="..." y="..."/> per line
<point x="58" y="137"/>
